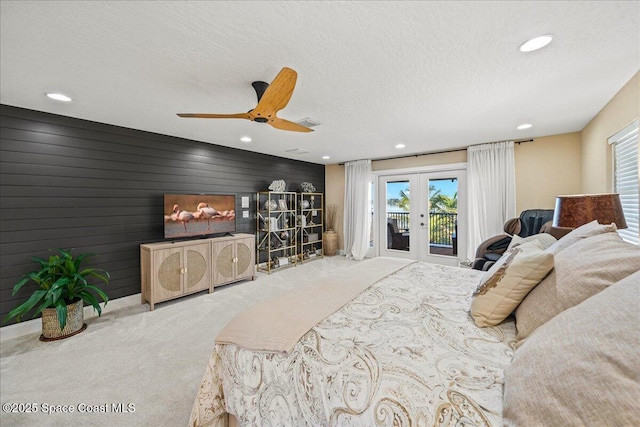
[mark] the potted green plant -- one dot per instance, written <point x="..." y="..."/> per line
<point x="63" y="288"/>
<point x="330" y="237"/>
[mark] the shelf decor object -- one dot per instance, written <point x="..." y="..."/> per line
<point x="307" y="187"/>
<point x="278" y="186"/>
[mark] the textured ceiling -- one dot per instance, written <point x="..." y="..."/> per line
<point x="431" y="75"/>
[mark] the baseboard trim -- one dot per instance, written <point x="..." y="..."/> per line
<point x="35" y="325"/>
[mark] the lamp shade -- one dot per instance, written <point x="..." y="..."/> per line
<point x="576" y="210"/>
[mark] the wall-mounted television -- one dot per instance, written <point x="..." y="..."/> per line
<point x="188" y="215"/>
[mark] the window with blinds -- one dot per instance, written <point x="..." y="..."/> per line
<point x="625" y="180"/>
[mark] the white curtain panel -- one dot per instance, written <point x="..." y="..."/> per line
<point x="492" y="191"/>
<point x="357" y="206"/>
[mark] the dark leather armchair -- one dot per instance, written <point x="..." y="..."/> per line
<point x="396" y="239"/>
<point x="530" y="222"/>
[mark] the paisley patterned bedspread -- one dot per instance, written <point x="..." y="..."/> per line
<point x="405" y="352"/>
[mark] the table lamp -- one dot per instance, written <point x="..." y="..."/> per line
<point x="576" y="210"/>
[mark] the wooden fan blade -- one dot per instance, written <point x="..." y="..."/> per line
<point x="277" y="95"/>
<point x="283" y="124"/>
<point x="217" y="116"/>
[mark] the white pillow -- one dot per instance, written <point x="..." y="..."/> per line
<point x="546" y="240"/>
<point x="590" y="229"/>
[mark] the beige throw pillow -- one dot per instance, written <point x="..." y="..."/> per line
<point x="508" y="281"/>
<point x="581" y="270"/>
<point x="580" y="368"/>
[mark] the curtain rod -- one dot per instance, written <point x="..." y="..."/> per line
<point x="436" y="152"/>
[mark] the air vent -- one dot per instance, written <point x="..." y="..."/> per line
<point x="309" y="122"/>
<point x="298" y="151"/>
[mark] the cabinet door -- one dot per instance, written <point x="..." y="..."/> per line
<point x="244" y="258"/>
<point x="168" y="265"/>
<point x="197" y="275"/>
<point x="223" y="265"/>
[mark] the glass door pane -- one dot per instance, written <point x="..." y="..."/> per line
<point x="397" y="214"/>
<point x="373" y="214"/>
<point x="443" y="216"/>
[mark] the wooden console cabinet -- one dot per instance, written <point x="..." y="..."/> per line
<point x="170" y="270"/>
<point x="233" y="259"/>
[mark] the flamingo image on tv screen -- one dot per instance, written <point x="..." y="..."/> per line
<point x="187" y="215"/>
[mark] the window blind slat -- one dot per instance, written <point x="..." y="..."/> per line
<point x="625" y="155"/>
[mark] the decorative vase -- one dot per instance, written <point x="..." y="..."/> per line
<point x="51" y="326"/>
<point x="330" y="241"/>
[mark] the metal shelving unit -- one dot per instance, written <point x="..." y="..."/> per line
<point x="276" y="230"/>
<point x="310" y="226"/>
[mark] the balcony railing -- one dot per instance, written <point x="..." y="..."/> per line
<point x="402" y="219"/>
<point x="443" y="226"/>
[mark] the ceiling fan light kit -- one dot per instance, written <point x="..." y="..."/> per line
<point x="271" y="99"/>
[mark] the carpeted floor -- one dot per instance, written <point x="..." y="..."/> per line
<point x="147" y="364"/>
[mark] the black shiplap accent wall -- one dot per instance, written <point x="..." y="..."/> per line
<point x="70" y="183"/>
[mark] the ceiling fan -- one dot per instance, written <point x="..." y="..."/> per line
<point x="271" y="99"/>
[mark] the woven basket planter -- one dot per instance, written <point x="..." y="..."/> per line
<point x="51" y="326"/>
<point x="330" y="242"/>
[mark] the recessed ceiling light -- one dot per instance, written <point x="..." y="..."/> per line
<point x="245" y="139"/>
<point x="536" y="43"/>
<point x="524" y="126"/>
<point x="400" y="145"/>
<point x="59" y="97"/>
<point x="326" y="157"/>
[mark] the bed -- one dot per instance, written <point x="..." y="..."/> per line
<point x="396" y="342"/>
<point x="401" y="349"/>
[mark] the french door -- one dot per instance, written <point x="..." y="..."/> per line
<point x="422" y="216"/>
